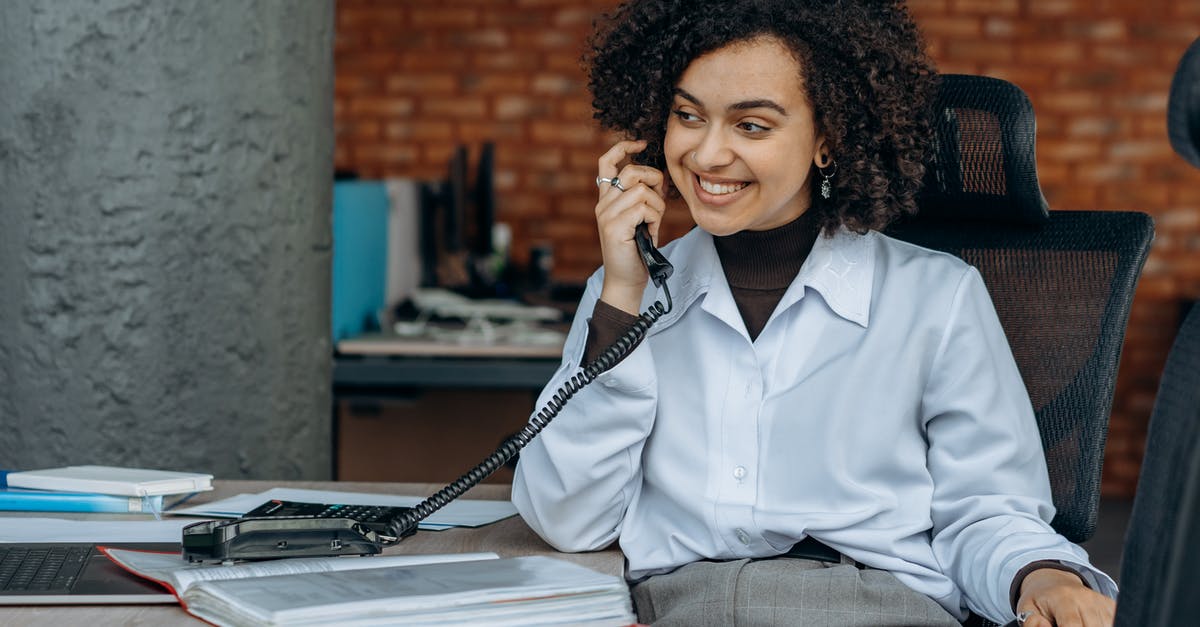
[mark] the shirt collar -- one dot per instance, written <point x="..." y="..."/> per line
<point x="841" y="268"/>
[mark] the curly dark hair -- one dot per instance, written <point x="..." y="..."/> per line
<point x="866" y="75"/>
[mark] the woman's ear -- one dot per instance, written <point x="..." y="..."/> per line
<point x="821" y="156"/>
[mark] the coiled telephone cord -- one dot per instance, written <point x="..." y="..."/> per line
<point x="404" y="524"/>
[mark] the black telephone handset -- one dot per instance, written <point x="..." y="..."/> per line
<point x="284" y="529"/>
<point x="660" y="269"/>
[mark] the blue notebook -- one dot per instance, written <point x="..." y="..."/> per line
<point x="17" y="500"/>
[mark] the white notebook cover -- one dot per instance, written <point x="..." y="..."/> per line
<point x="111" y="480"/>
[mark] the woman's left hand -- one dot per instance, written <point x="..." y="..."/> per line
<point x="1055" y="597"/>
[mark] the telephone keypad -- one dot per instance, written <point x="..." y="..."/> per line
<point x="373" y="516"/>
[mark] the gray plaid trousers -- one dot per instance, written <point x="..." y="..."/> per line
<point x="784" y="591"/>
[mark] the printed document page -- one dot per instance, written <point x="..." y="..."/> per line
<point x="174" y="571"/>
<point x="30" y="529"/>
<point x="514" y="590"/>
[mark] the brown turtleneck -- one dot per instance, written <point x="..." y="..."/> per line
<point x="759" y="266"/>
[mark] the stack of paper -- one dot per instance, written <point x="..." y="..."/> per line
<point x="90" y="530"/>
<point x="95" y="489"/>
<point x="378" y="590"/>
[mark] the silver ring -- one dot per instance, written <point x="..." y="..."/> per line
<point x="614" y="181"/>
<point x="1023" y="616"/>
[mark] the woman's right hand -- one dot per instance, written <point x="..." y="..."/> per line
<point x="617" y="215"/>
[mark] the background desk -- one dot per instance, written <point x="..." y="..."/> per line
<point x="508" y="538"/>
<point x="427" y="412"/>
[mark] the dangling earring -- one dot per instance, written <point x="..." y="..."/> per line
<point x="827" y="180"/>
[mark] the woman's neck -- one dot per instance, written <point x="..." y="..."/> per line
<point x="767" y="259"/>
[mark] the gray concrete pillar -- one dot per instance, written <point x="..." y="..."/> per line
<point x="165" y="190"/>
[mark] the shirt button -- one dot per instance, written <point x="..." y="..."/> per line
<point x="739" y="472"/>
<point x="742" y="536"/>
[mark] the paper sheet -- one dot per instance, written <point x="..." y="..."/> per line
<point x="29" y="529"/>
<point x="460" y="513"/>
<point x="181" y="575"/>
<point x="516" y="591"/>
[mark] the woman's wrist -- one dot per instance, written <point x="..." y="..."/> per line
<point x="1017" y="590"/>
<point x="607" y="325"/>
<point x="627" y="298"/>
<point x="1043" y="576"/>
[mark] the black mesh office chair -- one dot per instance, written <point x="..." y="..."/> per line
<point x="1062" y="281"/>
<point x="1162" y="544"/>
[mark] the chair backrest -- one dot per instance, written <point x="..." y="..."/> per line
<point x="1162" y="544"/>
<point x="1062" y="281"/>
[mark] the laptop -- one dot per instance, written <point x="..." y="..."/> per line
<point x="74" y="573"/>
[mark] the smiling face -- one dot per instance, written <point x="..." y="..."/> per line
<point x="741" y="140"/>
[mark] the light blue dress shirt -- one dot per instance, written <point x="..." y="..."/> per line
<point x="879" y="410"/>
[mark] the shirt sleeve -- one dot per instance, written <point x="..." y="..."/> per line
<point x="992" y="504"/>
<point x="1014" y="592"/>
<point x="605" y="327"/>
<point x="575" y="480"/>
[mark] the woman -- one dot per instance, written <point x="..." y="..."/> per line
<point x="828" y="427"/>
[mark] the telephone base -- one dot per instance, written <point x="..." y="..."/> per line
<point x="274" y="538"/>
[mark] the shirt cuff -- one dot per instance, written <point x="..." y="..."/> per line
<point x="605" y="327"/>
<point x="1014" y="591"/>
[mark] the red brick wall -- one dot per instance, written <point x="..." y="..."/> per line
<point x="415" y="77"/>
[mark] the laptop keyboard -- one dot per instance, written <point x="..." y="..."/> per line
<point x="50" y="569"/>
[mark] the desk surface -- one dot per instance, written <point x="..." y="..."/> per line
<point x="354" y="374"/>
<point x="382" y="361"/>
<point x="508" y="538"/>
<point x="399" y="346"/>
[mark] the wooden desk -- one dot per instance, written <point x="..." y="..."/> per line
<point x="508" y="538"/>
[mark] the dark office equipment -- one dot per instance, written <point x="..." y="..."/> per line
<point x="1062" y="281"/>
<point x="491" y="275"/>
<point x="541" y="264"/>
<point x="456" y="222"/>
<point x="660" y="269"/>
<point x="278" y="529"/>
<point x="259" y="538"/>
<point x="430" y="208"/>
<point x="373" y="517"/>
<point x="67" y="573"/>
<point x="454" y="201"/>
<point x="484" y="196"/>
